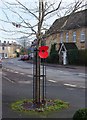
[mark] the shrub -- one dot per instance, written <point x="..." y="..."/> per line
<point x="77" y="57"/>
<point x="80" y="114"/>
<point x="82" y="60"/>
<point x="72" y="56"/>
<point x="53" y="56"/>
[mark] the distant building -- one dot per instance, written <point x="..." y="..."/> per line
<point x="7" y="50"/>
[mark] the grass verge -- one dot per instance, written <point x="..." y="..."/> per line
<point x="26" y="106"/>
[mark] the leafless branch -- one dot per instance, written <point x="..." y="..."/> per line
<point x="54" y="9"/>
<point x="28" y="24"/>
<point x="19" y="31"/>
<point x="45" y="11"/>
<point x="27" y="9"/>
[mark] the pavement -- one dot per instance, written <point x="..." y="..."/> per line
<point x="74" y="67"/>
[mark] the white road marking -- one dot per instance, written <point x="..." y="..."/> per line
<point x="16" y="72"/>
<point x="82" y="87"/>
<point x="52" y="81"/>
<point x="8" y="79"/>
<point x="82" y="74"/>
<point x="8" y="70"/>
<point x="22" y="73"/>
<point x="70" y="85"/>
<point x="29" y="75"/>
<point x="24" y="82"/>
<point x="12" y="70"/>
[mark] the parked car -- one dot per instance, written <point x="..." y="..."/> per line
<point x="24" y="57"/>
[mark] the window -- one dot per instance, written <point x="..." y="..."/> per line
<point x="82" y="36"/>
<point x="67" y="37"/>
<point x="74" y="36"/>
<point x="61" y="37"/>
<point x="5" y="55"/>
<point x="3" y="48"/>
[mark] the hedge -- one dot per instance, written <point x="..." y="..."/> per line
<point x="80" y="114"/>
<point x="72" y="56"/>
<point x="82" y="60"/>
<point x="53" y="58"/>
<point x="77" y="57"/>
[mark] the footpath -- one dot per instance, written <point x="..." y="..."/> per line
<point x="82" y="69"/>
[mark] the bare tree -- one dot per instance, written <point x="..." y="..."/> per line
<point x="40" y="14"/>
<point x="33" y="21"/>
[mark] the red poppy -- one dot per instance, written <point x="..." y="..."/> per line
<point x="43" y="51"/>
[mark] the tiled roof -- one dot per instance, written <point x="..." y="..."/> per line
<point x="70" y="46"/>
<point x="75" y="20"/>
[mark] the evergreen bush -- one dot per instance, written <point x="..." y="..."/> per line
<point x="80" y="114"/>
<point x="53" y="56"/>
<point x="72" y="56"/>
<point x="82" y="60"/>
<point x="77" y="57"/>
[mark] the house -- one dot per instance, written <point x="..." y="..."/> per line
<point x="7" y="50"/>
<point x="68" y="31"/>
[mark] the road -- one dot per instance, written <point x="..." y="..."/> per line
<point x="66" y="76"/>
<point x="17" y="84"/>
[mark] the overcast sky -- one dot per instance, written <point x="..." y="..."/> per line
<point x="9" y="16"/>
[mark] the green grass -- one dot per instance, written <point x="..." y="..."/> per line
<point x="50" y="107"/>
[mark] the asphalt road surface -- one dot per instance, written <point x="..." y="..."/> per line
<point x="67" y="76"/>
<point x="17" y="84"/>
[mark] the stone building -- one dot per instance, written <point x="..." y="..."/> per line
<point x="7" y="50"/>
<point x="68" y="31"/>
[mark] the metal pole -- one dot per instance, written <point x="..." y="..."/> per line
<point x="36" y="80"/>
<point x="33" y="82"/>
<point x="43" y="80"/>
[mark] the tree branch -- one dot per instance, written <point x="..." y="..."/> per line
<point x="28" y="10"/>
<point x="54" y="9"/>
